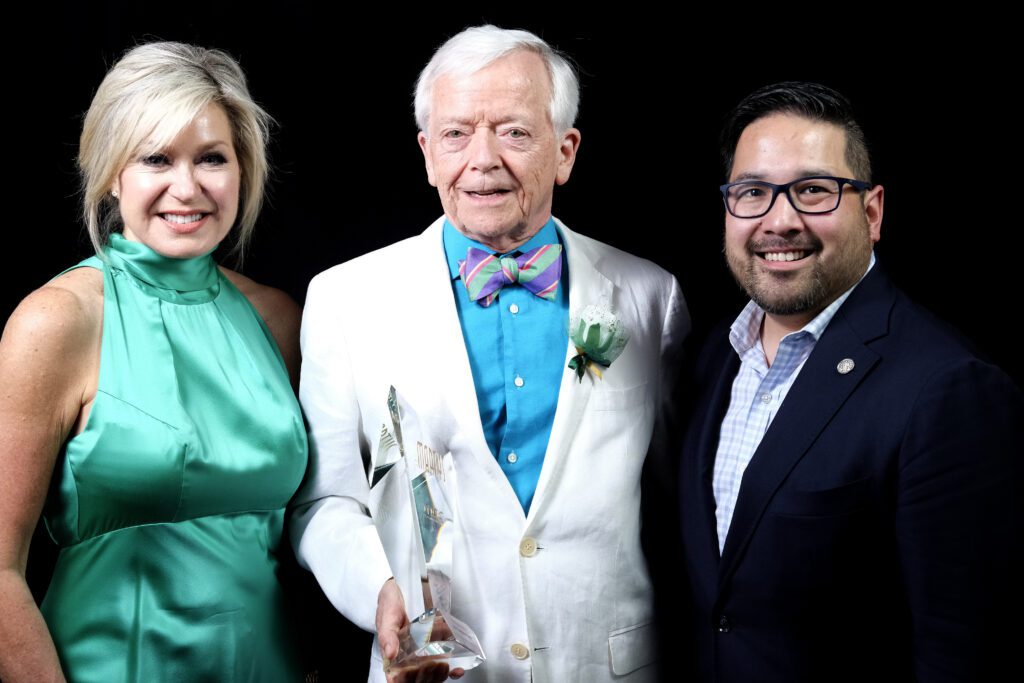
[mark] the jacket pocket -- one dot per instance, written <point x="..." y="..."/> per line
<point x="838" y="500"/>
<point x="605" y="399"/>
<point x="631" y="648"/>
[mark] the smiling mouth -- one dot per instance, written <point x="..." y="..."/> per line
<point x="785" y="255"/>
<point x="182" y="219"/>
<point x="485" y="193"/>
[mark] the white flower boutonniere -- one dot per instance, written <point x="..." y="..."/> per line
<point x="599" y="338"/>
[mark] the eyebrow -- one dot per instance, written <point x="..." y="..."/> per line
<point x="216" y="143"/>
<point x="802" y="173"/>
<point x="453" y="120"/>
<point x="148" y="147"/>
<point x="517" y="118"/>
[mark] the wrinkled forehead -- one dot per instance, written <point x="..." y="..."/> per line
<point x="518" y="76"/>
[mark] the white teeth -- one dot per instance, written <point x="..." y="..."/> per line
<point x="784" y="255"/>
<point x="176" y="218"/>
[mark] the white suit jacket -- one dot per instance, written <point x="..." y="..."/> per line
<point x="561" y="594"/>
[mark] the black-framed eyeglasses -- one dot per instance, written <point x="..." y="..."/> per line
<point x="814" y="194"/>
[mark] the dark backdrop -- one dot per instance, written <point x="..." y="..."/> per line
<point x="349" y="175"/>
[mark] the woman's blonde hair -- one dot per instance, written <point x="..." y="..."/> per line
<point x="144" y="102"/>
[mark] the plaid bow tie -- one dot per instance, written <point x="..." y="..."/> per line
<point x="538" y="270"/>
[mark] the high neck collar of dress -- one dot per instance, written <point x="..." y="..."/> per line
<point x="180" y="280"/>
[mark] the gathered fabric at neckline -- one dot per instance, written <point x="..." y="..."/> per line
<point x="177" y="280"/>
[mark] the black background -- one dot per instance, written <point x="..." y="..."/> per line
<point x="349" y="175"/>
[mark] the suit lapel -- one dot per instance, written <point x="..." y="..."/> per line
<point x="817" y="394"/>
<point x="587" y="286"/>
<point x="703" y="525"/>
<point x="447" y="347"/>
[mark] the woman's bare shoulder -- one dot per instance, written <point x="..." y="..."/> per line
<point x="65" y="309"/>
<point x="274" y="305"/>
<point x="279" y="311"/>
<point x="50" y="345"/>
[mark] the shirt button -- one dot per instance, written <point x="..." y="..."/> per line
<point x="518" y="381"/>
<point x="513" y="309"/>
<point x="528" y="547"/>
<point x="512" y="458"/>
<point x="766" y="398"/>
<point x="520" y="651"/>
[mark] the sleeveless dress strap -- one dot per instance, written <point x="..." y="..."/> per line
<point x="91" y="262"/>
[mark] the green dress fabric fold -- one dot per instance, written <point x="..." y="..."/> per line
<point x="169" y="505"/>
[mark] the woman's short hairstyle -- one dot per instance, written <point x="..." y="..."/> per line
<point x="144" y="102"/>
<point x="477" y="47"/>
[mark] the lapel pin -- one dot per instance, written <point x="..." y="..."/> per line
<point x="845" y="366"/>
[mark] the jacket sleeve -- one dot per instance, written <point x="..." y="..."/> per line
<point x="331" y="530"/>
<point x="674" y="331"/>
<point x="959" y="522"/>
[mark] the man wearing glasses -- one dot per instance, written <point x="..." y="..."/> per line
<point x="851" y="477"/>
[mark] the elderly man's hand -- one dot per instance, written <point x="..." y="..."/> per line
<point x="391" y="619"/>
<point x="392" y="627"/>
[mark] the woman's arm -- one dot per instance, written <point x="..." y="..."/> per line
<point x="49" y="359"/>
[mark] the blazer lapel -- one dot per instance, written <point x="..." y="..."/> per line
<point x="587" y="286"/>
<point x="817" y="394"/>
<point x="703" y="524"/>
<point x="447" y="352"/>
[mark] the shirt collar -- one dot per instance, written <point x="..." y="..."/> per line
<point x="745" y="332"/>
<point x="456" y="244"/>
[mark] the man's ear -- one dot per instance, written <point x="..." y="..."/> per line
<point x="874" y="203"/>
<point x="567" y="148"/>
<point x="421" y="138"/>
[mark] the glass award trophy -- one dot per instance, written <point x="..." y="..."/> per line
<point x="412" y="501"/>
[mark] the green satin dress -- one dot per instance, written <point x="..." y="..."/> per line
<point x="169" y="505"/>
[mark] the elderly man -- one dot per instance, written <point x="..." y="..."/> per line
<point x="851" y="478"/>
<point x="548" y="570"/>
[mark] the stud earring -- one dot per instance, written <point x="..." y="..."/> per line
<point x="114" y="194"/>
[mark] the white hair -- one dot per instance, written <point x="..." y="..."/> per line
<point x="477" y="47"/>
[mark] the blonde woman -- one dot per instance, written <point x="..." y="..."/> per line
<point x="146" y="400"/>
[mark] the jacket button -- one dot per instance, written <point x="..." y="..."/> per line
<point x="724" y="625"/>
<point x="528" y="547"/>
<point x="520" y="651"/>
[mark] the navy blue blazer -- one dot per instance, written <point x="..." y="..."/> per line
<point x="878" y="529"/>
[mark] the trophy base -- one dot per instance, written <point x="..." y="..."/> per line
<point x="433" y="638"/>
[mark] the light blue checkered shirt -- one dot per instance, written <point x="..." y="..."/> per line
<point x="757" y="394"/>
